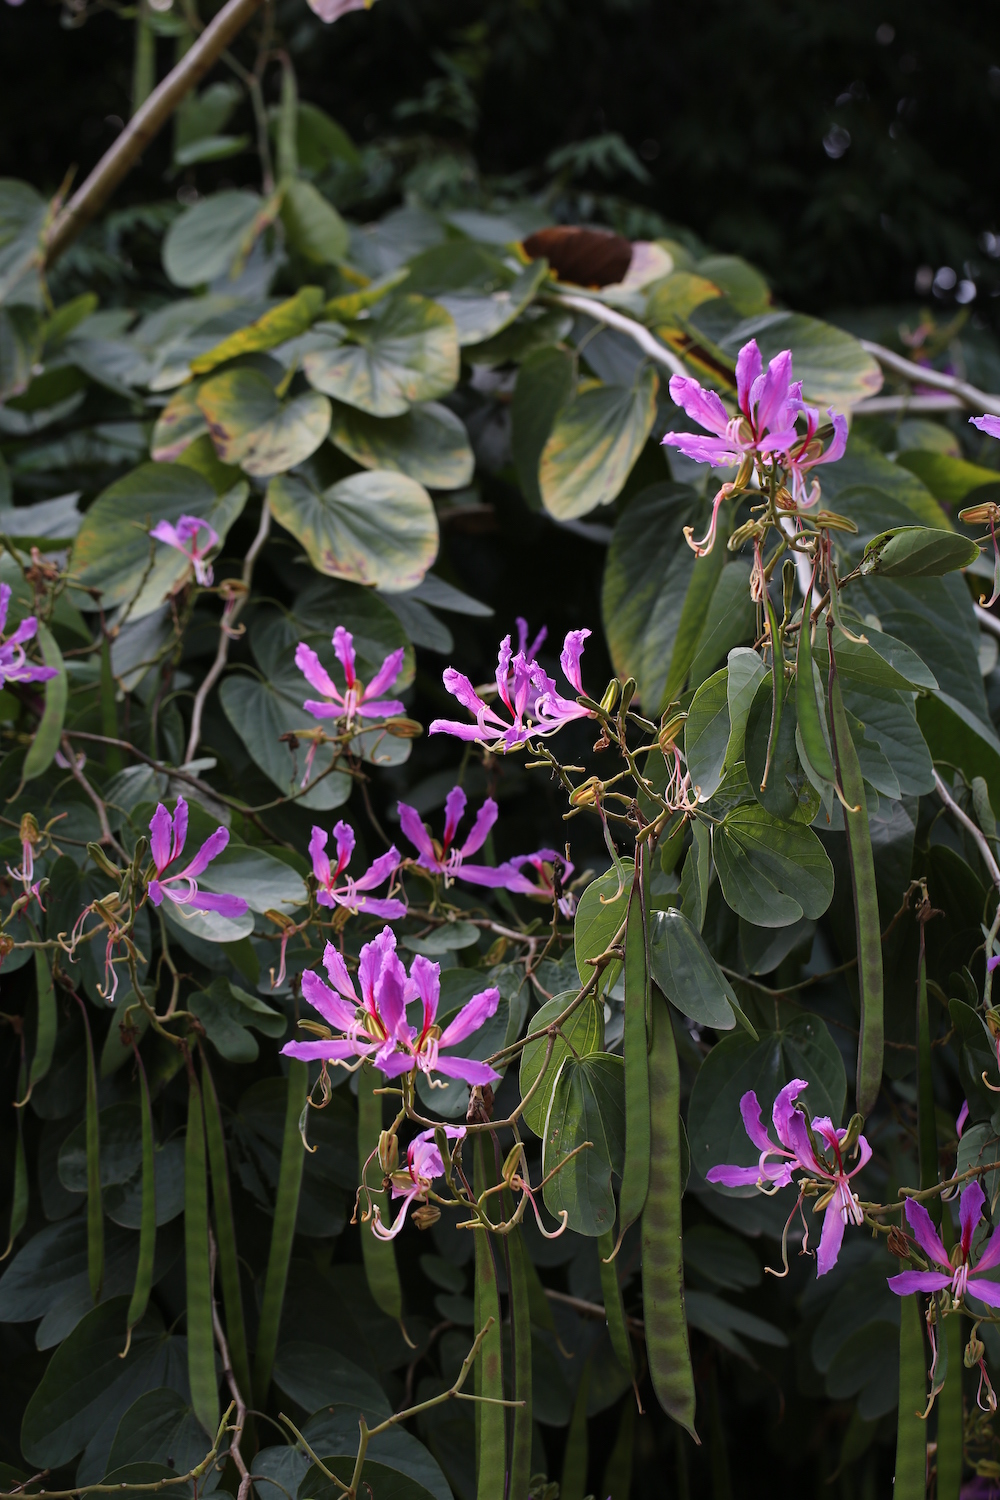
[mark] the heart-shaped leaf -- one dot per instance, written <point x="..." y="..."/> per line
<point x="405" y="350"/>
<point x="251" y="427"/>
<point x="594" y="444"/>
<point x="374" y="528"/>
<point x="429" y="443"/>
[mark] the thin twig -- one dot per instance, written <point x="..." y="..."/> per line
<point x="107" y="837"/>
<point x="647" y="341"/>
<point x="234" y="1390"/>
<point x="972" y="828"/>
<point x="145" y="124"/>
<point x="225" y="636"/>
<point x="592" y="1310"/>
<point x="970" y="395"/>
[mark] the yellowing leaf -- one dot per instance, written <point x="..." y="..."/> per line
<point x="283" y="322"/>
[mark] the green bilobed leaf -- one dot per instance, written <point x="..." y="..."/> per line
<point x="723" y="1257"/>
<point x="313" y="226"/>
<point x="335" y="1434"/>
<point x="948" y="478"/>
<point x="480" y="292"/>
<point x="159" y="1428"/>
<point x="429" y="443"/>
<point x="265" y="882"/>
<point x="283" y="322"/>
<point x="315" y="1377"/>
<point x="45" y="743"/>
<point x="879" y="661"/>
<point x="788" y="794"/>
<point x="112" y="549"/>
<point x="772" y="873"/>
<point x="87" y="1385"/>
<point x="544" y="384"/>
<point x="261" y="709"/>
<point x="674" y="298"/>
<point x="695" y="876"/>
<point x="583" y="1033"/>
<point x="375" y="528"/>
<point x="251" y="427"/>
<point x="724" y="1322"/>
<point x="687" y="973"/>
<point x="228" y="1013"/>
<point x="746" y="672"/>
<point x="647" y="581"/>
<point x="587" y="1104"/>
<point x="803" y="1049"/>
<point x="742" y="284"/>
<point x="383" y="1480"/>
<point x="834" y="369"/>
<point x="600" y="913"/>
<point x="918" y="551"/>
<point x="730" y="619"/>
<point x="706" y="734"/>
<point x="180" y="423"/>
<point x="405" y="351"/>
<point x="205" y="241"/>
<point x="594" y="444"/>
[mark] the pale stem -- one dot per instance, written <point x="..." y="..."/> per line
<point x="222" y="653"/>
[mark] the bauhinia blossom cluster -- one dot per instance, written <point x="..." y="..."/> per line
<point x="14" y="664"/>
<point x="374" y="1025"/>
<point x="535" y="705"/>
<point x="184" y="538"/>
<point x="765" y="429"/>
<point x="818" y="1150"/>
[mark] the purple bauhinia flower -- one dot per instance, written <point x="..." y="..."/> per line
<point x="545" y="863"/>
<point x="963" y="1116"/>
<point x="423" y="1165"/>
<point x="14" y="665"/>
<point x="531" y="697"/>
<point x="799" y="1154"/>
<point x="357" y="700"/>
<point x="807" y="452"/>
<point x="184" y="536"/>
<point x="374" y="1026"/>
<point x="166" y="843"/>
<point x="28" y="834"/>
<point x="444" y="859"/>
<point x="961" y="1278"/>
<point x="769" y="403"/>
<point x="353" y="894"/>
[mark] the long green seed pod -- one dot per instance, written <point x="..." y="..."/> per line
<point x="520" y="1338"/>
<point x="95" y="1204"/>
<point x="45" y="1034"/>
<point x="871" y="1042"/>
<point x="662" y="1253"/>
<point x="19" y="1198"/>
<point x="197" y="1266"/>
<point x="777" y="686"/>
<point x="635" y="1178"/>
<point x="225" y="1234"/>
<point x="807" y="710"/>
<point x="617" y="1481"/>
<point x="911" y="1432"/>
<point x="147" y="1222"/>
<point x="926" y="1123"/>
<point x="573" y="1484"/>
<point x="491" y="1431"/>
<point x="286" y="1209"/>
<point x="614" y="1309"/>
<point x="379" y="1255"/>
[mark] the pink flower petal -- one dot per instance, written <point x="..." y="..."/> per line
<point x="316" y="674"/>
<point x="925" y="1234"/>
<point x="386" y="674"/>
<point x="473" y="1014"/>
